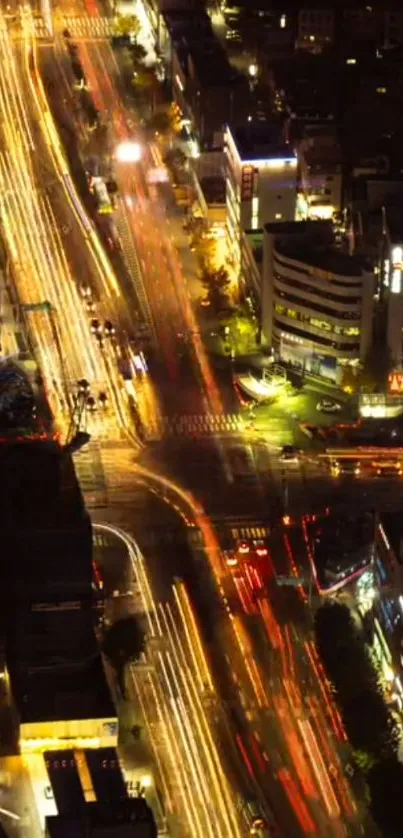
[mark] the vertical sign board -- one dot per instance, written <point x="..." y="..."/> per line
<point x="247" y="183"/>
<point x="395" y="383"/>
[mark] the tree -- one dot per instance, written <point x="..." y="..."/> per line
<point x="160" y="122"/>
<point x="216" y="284"/>
<point x="144" y="79"/>
<point x="369" y="724"/>
<point x="126" y="25"/>
<point x="124" y="642"/>
<point x="176" y="159"/>
<point x="385" y="782"/>
<point x="138" y="55"/>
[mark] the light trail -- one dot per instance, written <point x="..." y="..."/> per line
<point x="150" y="230"/>
<point x="65" y="347"/>
<point x="173" y="694"/>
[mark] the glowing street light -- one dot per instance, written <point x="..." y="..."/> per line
<point x="128" y="152"/>
<point x="253" y="70"/>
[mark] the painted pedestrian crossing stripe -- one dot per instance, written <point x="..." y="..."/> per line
<point x="202" y="424"/>
<point x="89" y="27"/>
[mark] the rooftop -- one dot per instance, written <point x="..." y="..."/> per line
<point x="213" y="188"/>
<point x="132" y="818"/>
<point x="261" y="140"/>
<point x="72" y="693"/>
<point x="195" y="41"/>
<point x="311" y="242"/>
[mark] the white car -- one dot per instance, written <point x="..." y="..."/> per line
<point x="328" y="406"/>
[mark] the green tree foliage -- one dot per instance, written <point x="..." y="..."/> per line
<point x="126" y="25"/>
<point x="369" y="724"/>
<point x="144" y="79"/>
<point x="385" y="782"/>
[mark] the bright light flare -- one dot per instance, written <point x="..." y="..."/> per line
<point x="128" y="152"/>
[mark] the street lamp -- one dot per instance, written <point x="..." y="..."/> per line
<point x="128" y="152"/>
<point x="253" y="70"/>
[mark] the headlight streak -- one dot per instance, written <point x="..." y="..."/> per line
<point x="171" y="695"/>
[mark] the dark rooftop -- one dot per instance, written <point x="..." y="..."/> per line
<point x="312" y="242"/>
<point x="195" y="42"/>
<point x="261" y="139"/>
<point x="325" y="258"/>
<point x="48" y="634"/>
<point x="132" y="818"/>
<point x="74" y="692"/>
<point x="213" y="189"/>
<point x="392" y="524"/>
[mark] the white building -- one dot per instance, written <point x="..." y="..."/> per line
<point x="317" y="303"/>
<point x="261" y="180"/>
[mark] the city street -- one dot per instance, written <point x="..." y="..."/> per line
<point x="238" y="714"/>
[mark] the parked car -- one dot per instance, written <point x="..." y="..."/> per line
<point x="328" y="406"/>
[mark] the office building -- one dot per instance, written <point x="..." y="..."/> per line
<point x="261" y="180"/>
<point x="321" y="173"/>
<point x="132" y="818"/>
<point x="317" y="303"/>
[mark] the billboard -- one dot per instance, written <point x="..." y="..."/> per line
<point x="247" y="183"/>
<point x="395" y="383"/>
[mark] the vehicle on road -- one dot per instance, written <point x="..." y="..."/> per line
<point x="387" y="468"/>
<point x="109" y="328"/>
<point x="260" y="548"/>
<point x="96" y="327"/>
<point x="328" y="406"/>
<point x="346" y="467"/>
<point x="99" y="189"/>
<point x="243" y="547"/>
<point x="289" y="454"/>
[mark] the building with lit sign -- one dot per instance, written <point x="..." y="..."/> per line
<point x="317" y="303"/>
<point x="393" y="279"/>
<point x="261" y="180"/>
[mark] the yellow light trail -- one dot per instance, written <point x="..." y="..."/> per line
<point x="171" y="694"/>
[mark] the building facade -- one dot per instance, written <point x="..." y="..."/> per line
<point x="317" y="303"/>
<point x="261" y="181"/>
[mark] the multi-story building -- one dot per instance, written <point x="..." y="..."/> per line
<point x="321" y="173"/>
<point x="317" y="303"/>
<point x="205" y="86"/>
<point x="261" y="180"/>
<point x="315" y="28"/>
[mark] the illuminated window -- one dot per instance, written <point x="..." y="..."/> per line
<point x="255" y="212"/>
<point x="283" y="22"/>
<point x="278" y="216"/>
<point x="292" y="313"/>
<point x="351" y="61"/>
<point x="381" y="89"/>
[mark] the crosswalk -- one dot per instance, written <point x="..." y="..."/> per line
<point x="89" y="27"/>
<point x="42" y="32"/>
<point x="202" y="424"/>
<point x="80" y="28"/>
